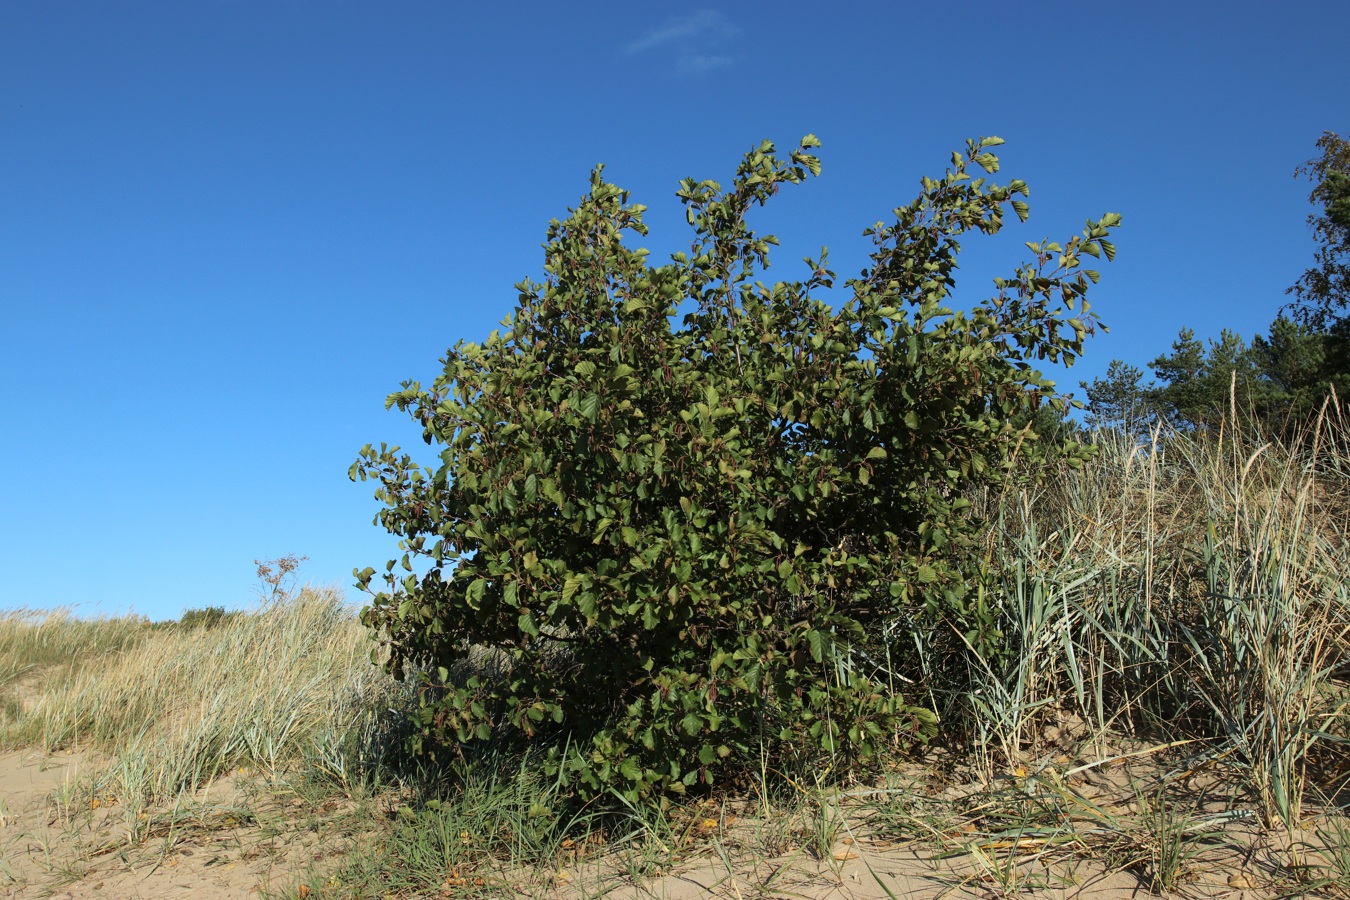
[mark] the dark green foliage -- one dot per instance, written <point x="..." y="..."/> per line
<point x="1120" y="400"/>
<point x="1277" y="381"/>
<point x="1300" y="364"/>
<point x="206" y="617"/>
<point x="1053" y="430"/>
<point x="1323" y="291"/>
<point x="1198" y="383"/>
<point x="675" y="546"/>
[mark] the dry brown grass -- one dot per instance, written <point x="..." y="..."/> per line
<point x="175" y="707"/>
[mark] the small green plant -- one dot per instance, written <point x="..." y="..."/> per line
<point x="498" y="813"/>
<point x="205" y="617"/>
<point x="1166" y="836"/>
<point x="1333" y="852"/>
<point x="678" y="544"/>
<point x="1001" y="865"/>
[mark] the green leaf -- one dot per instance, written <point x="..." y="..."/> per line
<point x="589" y="406"/>
<point x="816" y="641"/>
<point x="474" y="594"/>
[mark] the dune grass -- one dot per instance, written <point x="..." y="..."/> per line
<point x="1192" y="589"/>
<point x="55" y="645"/>
<point x="291" y="684"/>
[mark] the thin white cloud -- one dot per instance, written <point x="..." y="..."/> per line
<point x="698" y="63"/>
<point x="695" y="40"/>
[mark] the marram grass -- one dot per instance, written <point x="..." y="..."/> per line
<point x="178" y="706"/>
<point x="1190" y="589"/>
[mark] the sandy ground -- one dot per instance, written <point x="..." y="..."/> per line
<point x="58" y="838"/>
<point x="868" y="871"/>
<point x="882" y="877"/>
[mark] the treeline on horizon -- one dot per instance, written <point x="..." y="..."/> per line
<point x="1278" y="379"/>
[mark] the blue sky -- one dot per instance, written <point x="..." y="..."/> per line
<point x="229" y="228"/>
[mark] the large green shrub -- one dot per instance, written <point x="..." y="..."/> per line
<point x="674" y="545"/>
